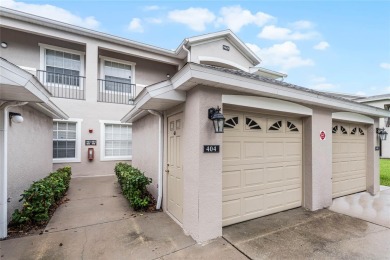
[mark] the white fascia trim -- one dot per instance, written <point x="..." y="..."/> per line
<point x="51" y="110"/>
<point x="197" y="74"/>
<point x="56" y="48"/>
<point x="223" y="61"/>
<point x="267" y="104"/>
<point x="225" y="34"/>
<point x="41" y="21"/>
<point x="117" y="60"/>
<point x="103" y="157"/>
<point x="352" y="117"/>
<point x="78" y="122"/>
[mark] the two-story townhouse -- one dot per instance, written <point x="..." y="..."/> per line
<point x="273" y="146"/>
<point x="93" y="77"/>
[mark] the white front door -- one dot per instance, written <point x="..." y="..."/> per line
<point x="174" y="167"/>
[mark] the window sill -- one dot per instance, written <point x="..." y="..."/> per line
<point x="116" y="158"/>
<point x="67" y="160"/>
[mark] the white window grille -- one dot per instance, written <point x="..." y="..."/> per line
<point x="64" y="140"/>
<point x="62" y="67"/>
<point x="117" y="141"/>
<point x="117" y="76"/>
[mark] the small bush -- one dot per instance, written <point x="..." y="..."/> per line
<point x="133" y="184"/>
<point x="41" y="196"/>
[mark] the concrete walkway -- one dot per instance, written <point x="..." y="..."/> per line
<point x="362" y="205"/>
<point x="97" y="223"/>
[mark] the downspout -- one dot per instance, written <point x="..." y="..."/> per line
<point x="160" y="155"/>
<point x="189" y="53"/>
<point x="3" y="164"/>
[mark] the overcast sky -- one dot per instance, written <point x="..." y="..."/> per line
<point x="337" y="46"/>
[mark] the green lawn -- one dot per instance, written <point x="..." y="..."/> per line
<point x="385" y="172"/>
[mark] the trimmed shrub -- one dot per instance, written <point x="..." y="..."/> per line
<point x="41" y="196"/>
<point x="133" y="183"/>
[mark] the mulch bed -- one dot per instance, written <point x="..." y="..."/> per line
<point x="16" y="231"/>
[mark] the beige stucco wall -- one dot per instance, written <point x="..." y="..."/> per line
<point x="29" y="152"/>
<point x="91" y="113"/>
<point x="317" y="172"/>
<point x="145" y="149"/>
<point x="214" y="49"/>
<point x="23" y="48"/>
<point x="202" y="172"/>
<point x="373" y="169"/>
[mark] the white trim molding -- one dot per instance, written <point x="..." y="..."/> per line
<point x="222" y="61"/>
<point x="352" y="117"/>
<point x="267" y="104"/>
<point x="77" y="158"/>
<point x="103" y="156"/>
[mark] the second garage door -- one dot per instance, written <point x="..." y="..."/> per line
<point x="262" y="165"/>
<point x="349" y="158"/>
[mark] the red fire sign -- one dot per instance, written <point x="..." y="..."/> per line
<point x="322" y="135"/>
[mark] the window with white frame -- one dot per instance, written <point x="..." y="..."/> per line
<point x="66" y="141"/>
<point x="118" y="75"/>
<point x="62" y="66"/>
<point x="116" y="141"/>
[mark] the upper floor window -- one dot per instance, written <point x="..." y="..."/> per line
<point x="61" y="71"/>
<point x="62" y="67"/>
<point x="117" y="76"/>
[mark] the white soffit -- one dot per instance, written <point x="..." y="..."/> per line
<point x="352" y="117"/>
<point x="267" y="104"/>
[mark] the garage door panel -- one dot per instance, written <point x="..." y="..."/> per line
<point x="274" y="150"/>
<point x="253" y="150"/>
<point x="348" y="186"/>
<point x="253" y="204"/>
<point x="231" y="209"/>
<point x="254" y="177"/>
<point x="293" y="172"/>
<point x="231" y="180"/>
<point x="269" y="163"/>
<point x="231" y="150"/>
<point x="349" y="160"/>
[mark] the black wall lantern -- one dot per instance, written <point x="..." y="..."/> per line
<point x="381" y="133"/>
<point x="217" y="118"/>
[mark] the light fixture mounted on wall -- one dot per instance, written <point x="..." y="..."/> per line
<point x="168" y="76"/>
<point x="218" y="119"/>
<point x="15" y="117"/>
<point x="382" y="133"/>
<point x="4" y="45"/>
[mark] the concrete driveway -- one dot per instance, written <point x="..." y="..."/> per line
<point x="300" y="234"/>
<point x="375" y="209"/>
<point x="97" y="223"/>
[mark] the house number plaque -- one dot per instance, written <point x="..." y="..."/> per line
<point x="210" y="148"/>
<point x="90" y="142"/>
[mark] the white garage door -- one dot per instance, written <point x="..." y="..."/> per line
<point x="349" y="158"/>
<point x="262" y="165"/>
